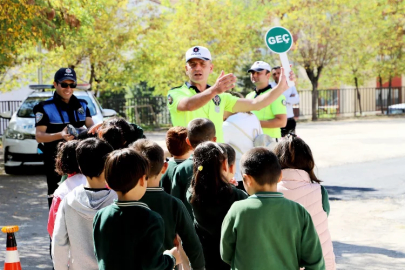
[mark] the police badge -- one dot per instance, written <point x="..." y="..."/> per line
<point x="217" y="102"/>
<point x="38" y="117"/>
<point x="80" y="110"/>
<point x="170" y="99"/>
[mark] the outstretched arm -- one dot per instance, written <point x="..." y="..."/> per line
<point x="223" y="83"/>
<point x="264" y="100"/>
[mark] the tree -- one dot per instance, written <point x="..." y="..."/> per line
<point x="230" y="29"/>
<point x="317" y="28"/>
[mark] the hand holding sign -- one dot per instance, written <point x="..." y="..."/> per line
<point x="279" y="40"/>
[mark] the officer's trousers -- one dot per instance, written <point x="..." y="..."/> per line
<point x="52" y="178"/>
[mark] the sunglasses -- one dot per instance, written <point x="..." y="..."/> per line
<point x="66" y="85"/>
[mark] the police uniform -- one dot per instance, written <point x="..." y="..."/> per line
<point x="269" y="112"/>
<point x="213" y="110"/>
<point x="55" y="115"/>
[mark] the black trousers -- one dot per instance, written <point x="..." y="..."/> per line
<point x="52" y="178"/>
<point x="289" y="128"/>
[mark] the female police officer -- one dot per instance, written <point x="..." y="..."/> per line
<point x="52" y="117"/>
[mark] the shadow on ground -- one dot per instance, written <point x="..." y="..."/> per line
<point x="336" y="193"/>
<point x="343" y="248"/>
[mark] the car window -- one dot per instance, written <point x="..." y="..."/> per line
<point x="26" y="109"/>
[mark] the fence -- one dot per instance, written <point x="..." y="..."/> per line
<point x="4" y="107"/>
<point x="332" y="103"/>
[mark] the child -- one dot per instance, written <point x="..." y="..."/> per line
<point x="172" y="210"/>
<point x="300" y="184"/>
<point x="211" y="196"/>
<point x="72" y="245"/>
<point x="230" y="174"/>
<point x="127" y="234"/>
<point x="267" y="231"/>
<point x="198" y="130"/>
<point x="117" y="132"/>
<point x="179" y="149"/>
<point x="65" y="163"/>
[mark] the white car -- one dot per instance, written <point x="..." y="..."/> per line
<point x="19" y="144"/>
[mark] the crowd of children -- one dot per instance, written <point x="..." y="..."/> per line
<point x="124" y="206"/>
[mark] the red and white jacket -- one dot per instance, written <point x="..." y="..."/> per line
<point x="296" y="186"/>
<point x="67" y="186"/>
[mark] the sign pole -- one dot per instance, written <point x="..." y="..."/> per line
<point x="279" y="40"/>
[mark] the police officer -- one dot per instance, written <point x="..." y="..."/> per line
<point x="274" y="116"/>
<point x="52" y="117"/>
<point x="291" y="97"/>
<point x="197" y="99"/>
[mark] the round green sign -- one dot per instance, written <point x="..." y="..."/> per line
<point x="279" y="39"/>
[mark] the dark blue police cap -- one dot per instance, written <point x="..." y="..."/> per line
<point x="64" y="74"/>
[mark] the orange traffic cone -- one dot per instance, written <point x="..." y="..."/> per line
<point x="12" y="259"/>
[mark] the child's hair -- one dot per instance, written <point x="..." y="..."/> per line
<point x="294" y="153"/>
<point x="176" y="141"/>
<point x="124" y="168"/>
<point x="208" y="183"/>
<point x="65" y="162"/>
<point x="200" y="130"/>
<point x="230" y="152"/>
<point x="117" y="132"/>
<point x="152" y="152"/>
<point x="262" y="165"/>
<point x="91" y="154"/>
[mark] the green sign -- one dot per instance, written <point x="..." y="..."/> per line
<point x="279" y="40"/>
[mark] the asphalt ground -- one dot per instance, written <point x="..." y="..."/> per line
<point x="362" y="164"/>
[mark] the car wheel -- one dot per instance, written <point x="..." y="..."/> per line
<point x="12" y="170"/>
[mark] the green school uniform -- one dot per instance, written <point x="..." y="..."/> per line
<point x="181" y="182"/>
<point x="167" y="177"/>
<point x="128" y="235"/>
<point x="177" y="221"/>
<point x="267" y="231"/>
<point x="213" y="110"/>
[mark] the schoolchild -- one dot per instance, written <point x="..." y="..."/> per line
<point x="65" y="163"/>
<point x="72" y="241"/>
<point x="117" y="132"/>
<point x="268" y="231"/>
<point x="180" y="151"/>
<point x="128" y="234"/>
<point x="211" y="195"/>
<point x="300" y="184"/>
<point x="198" y="130"/>
<point x="172" y="210"/>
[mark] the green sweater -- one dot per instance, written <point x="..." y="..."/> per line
<point x="177" y="221"/>
<point x="167" y="177"/>
<point x="128" y="235"/>
<point x="267" y="231"/>
<point x="181" y="182"/>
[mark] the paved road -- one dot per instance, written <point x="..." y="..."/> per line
<point x="361" y="163"/>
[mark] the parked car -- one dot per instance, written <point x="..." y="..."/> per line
<point x="396" y="109"/>
<point x="19" y="144"/>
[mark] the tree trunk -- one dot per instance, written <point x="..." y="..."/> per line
<point x="380" y="96"/>
<point x="356" y="83"/>
<point x="314" y="101"/>
<point x="389" y="94"/>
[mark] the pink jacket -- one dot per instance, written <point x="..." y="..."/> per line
<point x="67" y="186"/>
<point x="296" y="186"/>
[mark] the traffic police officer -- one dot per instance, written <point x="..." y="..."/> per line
<point x="273" y="117"/>
<point x="197" y="99"/>
<point x="291" y="97"/>
<point x="52" y="117"/>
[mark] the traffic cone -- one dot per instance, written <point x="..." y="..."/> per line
<point x="12" y="259"/>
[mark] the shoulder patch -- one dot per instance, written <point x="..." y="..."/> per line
<point x="38" y="117"/>
<point x="284" y="102"/>
<point x="82" y="100"/>
<point x="170" y="99"/>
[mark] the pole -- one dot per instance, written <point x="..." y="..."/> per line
<point x="39" y="50"/>
<point x="286" y="65"/>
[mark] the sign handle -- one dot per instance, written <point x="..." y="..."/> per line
<point x="286" y="65"/>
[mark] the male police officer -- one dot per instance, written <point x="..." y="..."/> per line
<point x="274" y="116"/>
<point x="52" y="117"/>
<point x="197" y="99"/>
<point x="292" y="97"/>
